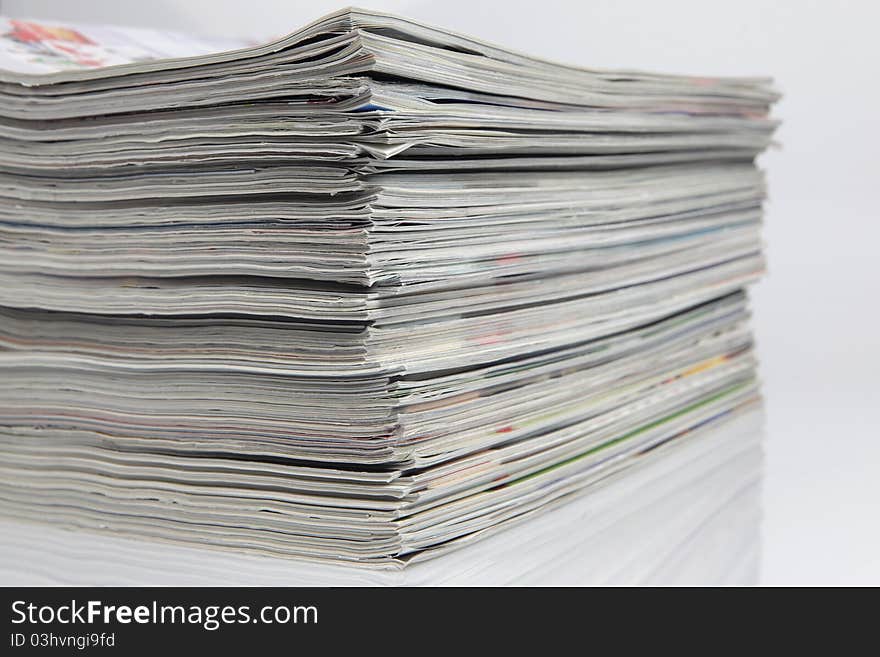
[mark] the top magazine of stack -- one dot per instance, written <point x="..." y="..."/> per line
<point x="297" y="159"/>
<point x="363" y="291"/>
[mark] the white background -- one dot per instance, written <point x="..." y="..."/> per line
<point x="816" y="312"/>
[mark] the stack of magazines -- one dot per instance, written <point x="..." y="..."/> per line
<point x="692" y="517"/>
<point x="365" y="293"/>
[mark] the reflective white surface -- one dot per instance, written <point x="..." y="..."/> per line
<point x="817" y="312"/>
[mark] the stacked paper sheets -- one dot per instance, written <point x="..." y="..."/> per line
<point x="363" y="293"/>
<point x="692" y="515"/>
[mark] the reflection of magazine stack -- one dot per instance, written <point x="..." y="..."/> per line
<point x="366" y="292"/>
